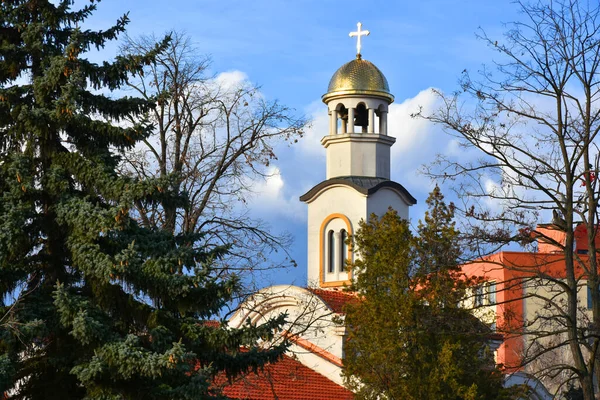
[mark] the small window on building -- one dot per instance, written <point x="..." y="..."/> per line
<point x="478" y="295"/>
<point x="589" y="298"/>
<point x="491" y="292"/>
<point x="343" y="249"/>
<point x="330" y="251"/>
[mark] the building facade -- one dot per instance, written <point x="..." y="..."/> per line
<point x="358" y="184"/>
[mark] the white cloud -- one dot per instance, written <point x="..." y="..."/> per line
<point x="412" y="134"/>
<point x="270" y="198"/>
<point x="272" y="185"/>
<point x="231" y="79"/>
<point x="453" y="148"/>
<point x="310" y="144"/>
<point x="417" y="141"/>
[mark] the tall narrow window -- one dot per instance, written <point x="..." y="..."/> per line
<point x="330" y="251"/>
<point x="343" y="249"/>
<point x="478" y="295"/>
<point x="589" y="298"/>
<point x="491" y="289"/>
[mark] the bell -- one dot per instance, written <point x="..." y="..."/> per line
<point x="361" y="116"/>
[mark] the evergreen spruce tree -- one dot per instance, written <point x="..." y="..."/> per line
<point x="437" y="252"/>
<point x="92" y="305"/>
<point x="408" y="337"/>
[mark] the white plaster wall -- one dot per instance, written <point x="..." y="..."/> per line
<point x="535" y="304"/>
<point x="308" y="317"/>
<point x="358" y="155"/>
<point x="486" y="311"/>
<point x="538" y="391"/>
<point x="380" y="201"/>
<point x="313" y="361"/>
<point x="335" y="199"/>
<point x="339" y="159"/>
<point x="538" y="290"/>
<point x="324" y="333"/>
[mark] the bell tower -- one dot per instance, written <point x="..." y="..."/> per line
<point x="358" y="169"/>
<point x="357" y="100"/>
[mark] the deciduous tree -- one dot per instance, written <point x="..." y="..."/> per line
<point x="216" y="139"/>
<point x="534" y="118"/>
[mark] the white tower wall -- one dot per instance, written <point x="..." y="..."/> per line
<point x="356" y="154"/>
<point x="379" y="202"/>
<point x="336" y="208"/>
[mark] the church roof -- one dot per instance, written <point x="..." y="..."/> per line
<point x="362" y="184"/>
<point x="287" y="379"/>
<point x="211" y="323"/>
<point x="335" y="299"/>
<point x="358" y="77"/>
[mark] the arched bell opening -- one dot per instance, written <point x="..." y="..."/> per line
<point x="342" y="123"/>
<point x="361" y="117"/>
<point x="335" y="124"/>
<point x="368" y="116"/>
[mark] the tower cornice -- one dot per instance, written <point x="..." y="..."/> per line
<point x="362" y="184"/>
<point x="358" y="138"/>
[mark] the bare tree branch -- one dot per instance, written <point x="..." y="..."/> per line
<point x="534" y="119"/>
<point x="214" y="139"/>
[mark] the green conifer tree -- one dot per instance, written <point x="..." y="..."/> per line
<point x="408" y="337"/>
<point x="437" y="253"/>
<point x="92" y="305"/>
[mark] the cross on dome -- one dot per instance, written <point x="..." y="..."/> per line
<point x="358" y="34"/>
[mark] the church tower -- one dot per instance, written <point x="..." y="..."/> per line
<point x="358" y="169"/>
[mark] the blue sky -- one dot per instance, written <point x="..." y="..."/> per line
<point x="292" y="48"/>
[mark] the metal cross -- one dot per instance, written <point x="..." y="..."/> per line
<point x="358" y="34"/>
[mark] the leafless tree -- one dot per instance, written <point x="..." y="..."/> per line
<point x="534" y="119"/>
<point x="214" y="140"/>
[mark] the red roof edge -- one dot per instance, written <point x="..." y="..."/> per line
<point x="335" y="299"/>
<point x="286" y="379"/>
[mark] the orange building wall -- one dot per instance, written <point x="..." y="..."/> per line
<point x="509" y="270"/>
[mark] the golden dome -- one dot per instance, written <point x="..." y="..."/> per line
<point x="358" y="77"/>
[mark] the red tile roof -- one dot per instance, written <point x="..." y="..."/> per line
<point x="335" y="299"/>
<point x="313" y="348"/>
<point x="287" y="379"/>
<point x="211" y="323"/>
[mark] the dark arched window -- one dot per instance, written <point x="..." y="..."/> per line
<point x="330" y="251"/>
<point x="361" y="117"/>
<point x="343" y="249"/>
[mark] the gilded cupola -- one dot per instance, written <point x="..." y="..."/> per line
<point x="358" y="77"/>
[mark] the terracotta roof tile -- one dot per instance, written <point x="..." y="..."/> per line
<point x="287" y="379"/>
<point x="211" y="323"/>
<point x="334" y="299"/>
